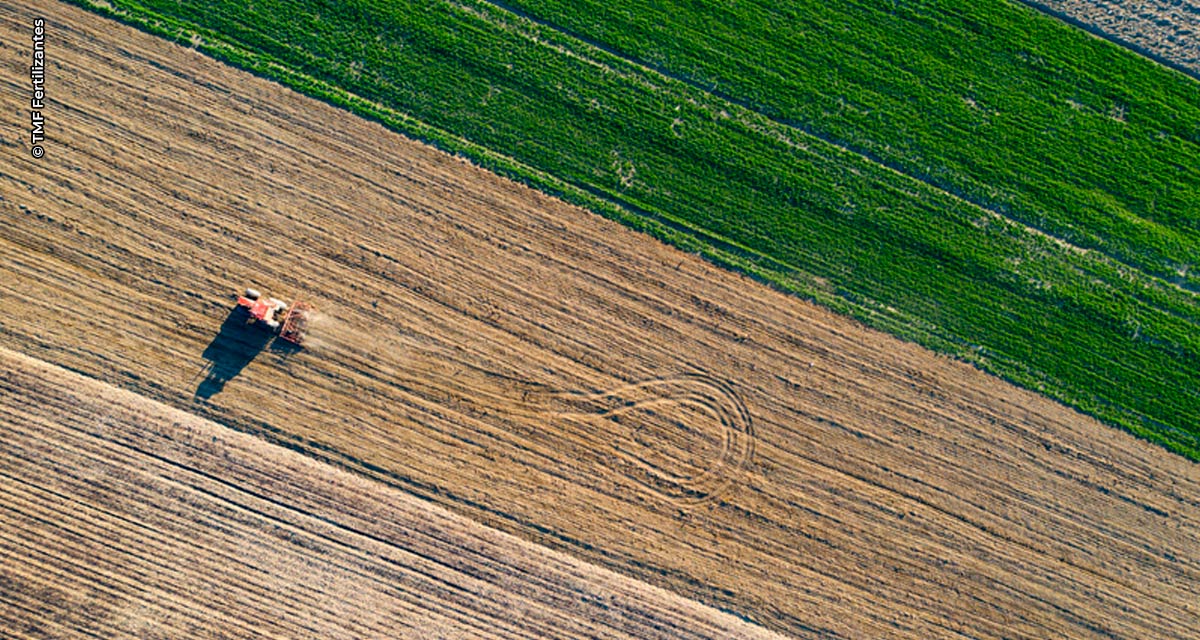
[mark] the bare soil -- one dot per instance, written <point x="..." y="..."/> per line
<point x="554" y="375"/>
<point x="122" y="517"/>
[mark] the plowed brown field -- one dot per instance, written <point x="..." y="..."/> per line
<point x="555" y="375"/>
<point x="122" y="517"/>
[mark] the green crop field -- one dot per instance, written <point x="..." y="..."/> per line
<point x="973" y="176"/>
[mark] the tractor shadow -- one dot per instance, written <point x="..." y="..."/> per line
<point x="285" y="349"/>
<point x="235" y="346"/>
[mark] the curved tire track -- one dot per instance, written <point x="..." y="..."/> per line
<point x="891" y="490"/>
<point x="665" y="395"/>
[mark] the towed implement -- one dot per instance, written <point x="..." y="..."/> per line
<point x="290" y="322"/>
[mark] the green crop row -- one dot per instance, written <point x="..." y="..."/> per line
<point x="725" y="155"/>
<point x="988" y="100"/>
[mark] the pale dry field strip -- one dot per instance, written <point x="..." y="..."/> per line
<point x="1169" y="29"/>
<point x="121" y="517"/>
<point x="557" y="376"/>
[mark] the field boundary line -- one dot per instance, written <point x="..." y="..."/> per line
<point x="614" y="206"/>
<point x="717" y="250"/>
<point x="728" y="252"/>
<point x="338" y="462"/>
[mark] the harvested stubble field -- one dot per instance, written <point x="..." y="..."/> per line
<point x="557" y="376"/>
<point x="122" y="517"/>
<point x="975" y="177"/>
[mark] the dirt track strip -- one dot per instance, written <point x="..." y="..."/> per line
<point x="122" y="517"/>
<point x="875" y="490"/>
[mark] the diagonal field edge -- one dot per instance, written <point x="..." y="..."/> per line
<point x="719" y="250"/>
<point x="156" y="441"/>
<point x="876" y="449"/>
<point x="809" y="131"/>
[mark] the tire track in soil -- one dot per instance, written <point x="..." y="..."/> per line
<point x="125" y="518"/>
<point x="662" y="401"/>
<point x="659" y="407"/>
<point x="890" y="493"/>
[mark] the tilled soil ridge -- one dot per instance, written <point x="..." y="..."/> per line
<point x="122" y="517"/>
<point x="557" y="376"/>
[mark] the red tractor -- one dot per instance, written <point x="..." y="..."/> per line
<point x="266" y="312"/>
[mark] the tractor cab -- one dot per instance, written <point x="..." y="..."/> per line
<point x="266" y="311"/>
